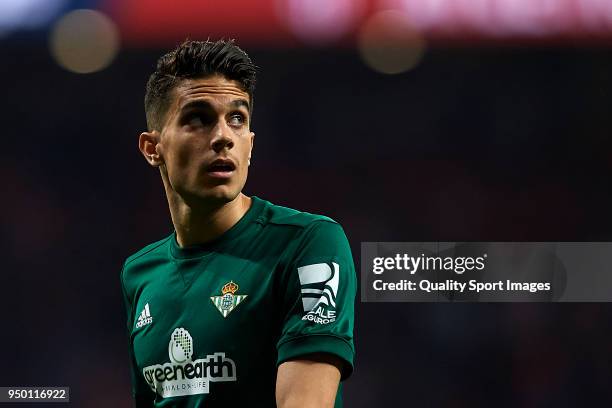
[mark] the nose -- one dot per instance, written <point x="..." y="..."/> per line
<point x="222" y="138"/>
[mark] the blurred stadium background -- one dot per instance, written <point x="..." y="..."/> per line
<point x="405" y="120"/>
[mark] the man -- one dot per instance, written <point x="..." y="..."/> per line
<point x="246" y="303"/>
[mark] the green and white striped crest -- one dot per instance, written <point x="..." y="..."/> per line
<point x="228" y="301"/>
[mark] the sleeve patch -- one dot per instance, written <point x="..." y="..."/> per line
<point x="319" y="288"/>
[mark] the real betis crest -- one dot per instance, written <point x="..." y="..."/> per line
<point x="228" y="300"/>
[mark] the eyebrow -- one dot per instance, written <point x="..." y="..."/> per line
<point x="202" y="104"/>
<point x="236" y="103"/>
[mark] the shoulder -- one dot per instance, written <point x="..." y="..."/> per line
<point x="150" y="250"/>
<point x="284" y="216"/>
<point x="152" y="253"/>
<point x="310" y="233"/>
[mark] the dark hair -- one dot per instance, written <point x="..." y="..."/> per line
<point x="195" y="59"/>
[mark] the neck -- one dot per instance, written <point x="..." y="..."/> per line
<point x="202" y="223"/>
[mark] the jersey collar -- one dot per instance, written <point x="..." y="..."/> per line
<point x="257" y="206"/>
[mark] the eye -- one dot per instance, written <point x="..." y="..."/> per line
<point x="198" y="120"/>
<point x="195" y="121"/>
<point x="237" y="119"/>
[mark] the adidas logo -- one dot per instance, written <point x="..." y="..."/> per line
<point x="144" y="318"/>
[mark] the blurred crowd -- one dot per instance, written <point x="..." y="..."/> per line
<point x="472" y="144"/>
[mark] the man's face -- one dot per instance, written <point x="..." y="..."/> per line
<point x="206" y="142"/>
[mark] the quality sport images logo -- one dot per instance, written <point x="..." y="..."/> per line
<point x="184" y="376"/>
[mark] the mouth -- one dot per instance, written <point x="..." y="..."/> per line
<point x="221" y="168"/>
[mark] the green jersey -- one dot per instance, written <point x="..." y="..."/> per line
<point x="209" y="324"/>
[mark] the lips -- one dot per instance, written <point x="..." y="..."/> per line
<point x="221" y="168"/>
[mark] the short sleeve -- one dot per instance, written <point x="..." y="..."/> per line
<point x="141" y="392"/>
<point x="319" y="300"/>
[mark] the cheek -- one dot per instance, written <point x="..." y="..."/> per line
<point x="184" y="156"/>
<point x="245" y="149"/>
<point x="244" y="160"/>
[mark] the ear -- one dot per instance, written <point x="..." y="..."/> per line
<point x="148" y="145"/>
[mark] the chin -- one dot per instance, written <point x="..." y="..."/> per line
<point x="206" y="192"/>
<point x="220" y="194"/>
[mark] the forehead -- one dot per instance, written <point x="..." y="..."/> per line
<point x="215" y="88"/>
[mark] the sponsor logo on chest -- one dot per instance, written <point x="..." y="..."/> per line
<point x="184" y="376"/>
